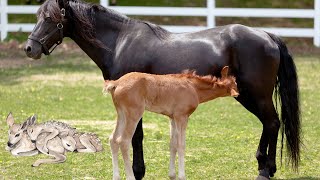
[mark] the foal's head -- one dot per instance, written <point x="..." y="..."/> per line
<point x="227" y="83"/>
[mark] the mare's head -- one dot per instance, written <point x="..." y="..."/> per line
<point x="58" y="19"/>
<point x="228" y="83"/>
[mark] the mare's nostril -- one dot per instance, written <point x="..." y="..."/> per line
<point x="27" y="49"/>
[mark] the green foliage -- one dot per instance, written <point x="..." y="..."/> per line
<point x="222" y="136"/>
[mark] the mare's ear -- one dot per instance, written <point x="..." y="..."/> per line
<point x="224" y="72"/>
<point x="10" y="119"/>
<point x="62" y="3"/>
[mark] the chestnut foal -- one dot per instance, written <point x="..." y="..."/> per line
<point x="173" y="95"/>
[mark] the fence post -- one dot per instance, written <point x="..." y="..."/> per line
<point x="4" y="19"/>
<point x="104" y="3"/>
<point x="316" y="38"/>
<point x="211" y="5"/>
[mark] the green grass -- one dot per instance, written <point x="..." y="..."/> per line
<point x="222" y="136"/>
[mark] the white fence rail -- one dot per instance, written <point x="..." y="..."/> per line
<point x="211" y="11"/>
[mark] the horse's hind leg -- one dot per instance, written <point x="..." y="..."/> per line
<point x="264" y="109"/>
<point x="58" y="158"/>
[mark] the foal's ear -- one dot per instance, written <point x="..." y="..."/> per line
<point x="224" y="71"/>
<point x="10" y="119"/>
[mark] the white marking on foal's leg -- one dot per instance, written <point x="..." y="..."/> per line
<point x="173" y="150"/>
<point x="115" y="161"/>
<point x="124" y="146"/>
<point x="181" y="126"/>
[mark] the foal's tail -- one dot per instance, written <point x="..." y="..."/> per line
<point x="109" y="87"/>
<point x="287" y="88"/>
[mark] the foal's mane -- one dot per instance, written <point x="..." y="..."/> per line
<point x="208" y="79"/>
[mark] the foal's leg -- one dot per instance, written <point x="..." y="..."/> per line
<point x="115" y="146"/>
<point x="132" y="117"/>
<point x="173" y="150"/>
<point x="181" y="125"/>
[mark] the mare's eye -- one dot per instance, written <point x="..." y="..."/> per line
<point x="48" y="19"/>
<point x="31" y="130"/>
<point x="68" y="144"/>
<point x="17" y="135"/>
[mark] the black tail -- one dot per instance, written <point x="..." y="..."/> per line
<point x="288" y="89"/>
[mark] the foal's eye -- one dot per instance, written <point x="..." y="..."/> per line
<point x="68" y="144"/>
<point x="17" y="135"/>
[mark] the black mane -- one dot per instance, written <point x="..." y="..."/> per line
<point x="83" y="16"/>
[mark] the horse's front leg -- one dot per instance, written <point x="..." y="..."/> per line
<point x="138" y="161"/>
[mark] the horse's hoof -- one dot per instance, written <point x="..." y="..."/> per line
<point x="262" y="178"/>
<point x="139" y="172"/>
<point x="263" y="175"/>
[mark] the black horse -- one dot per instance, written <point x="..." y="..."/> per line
<point x="119" y="45"/>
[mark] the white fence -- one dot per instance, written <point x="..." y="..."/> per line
<point x="211" y="11"/>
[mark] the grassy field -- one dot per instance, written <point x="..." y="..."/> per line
<point x="222" y="136"/>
